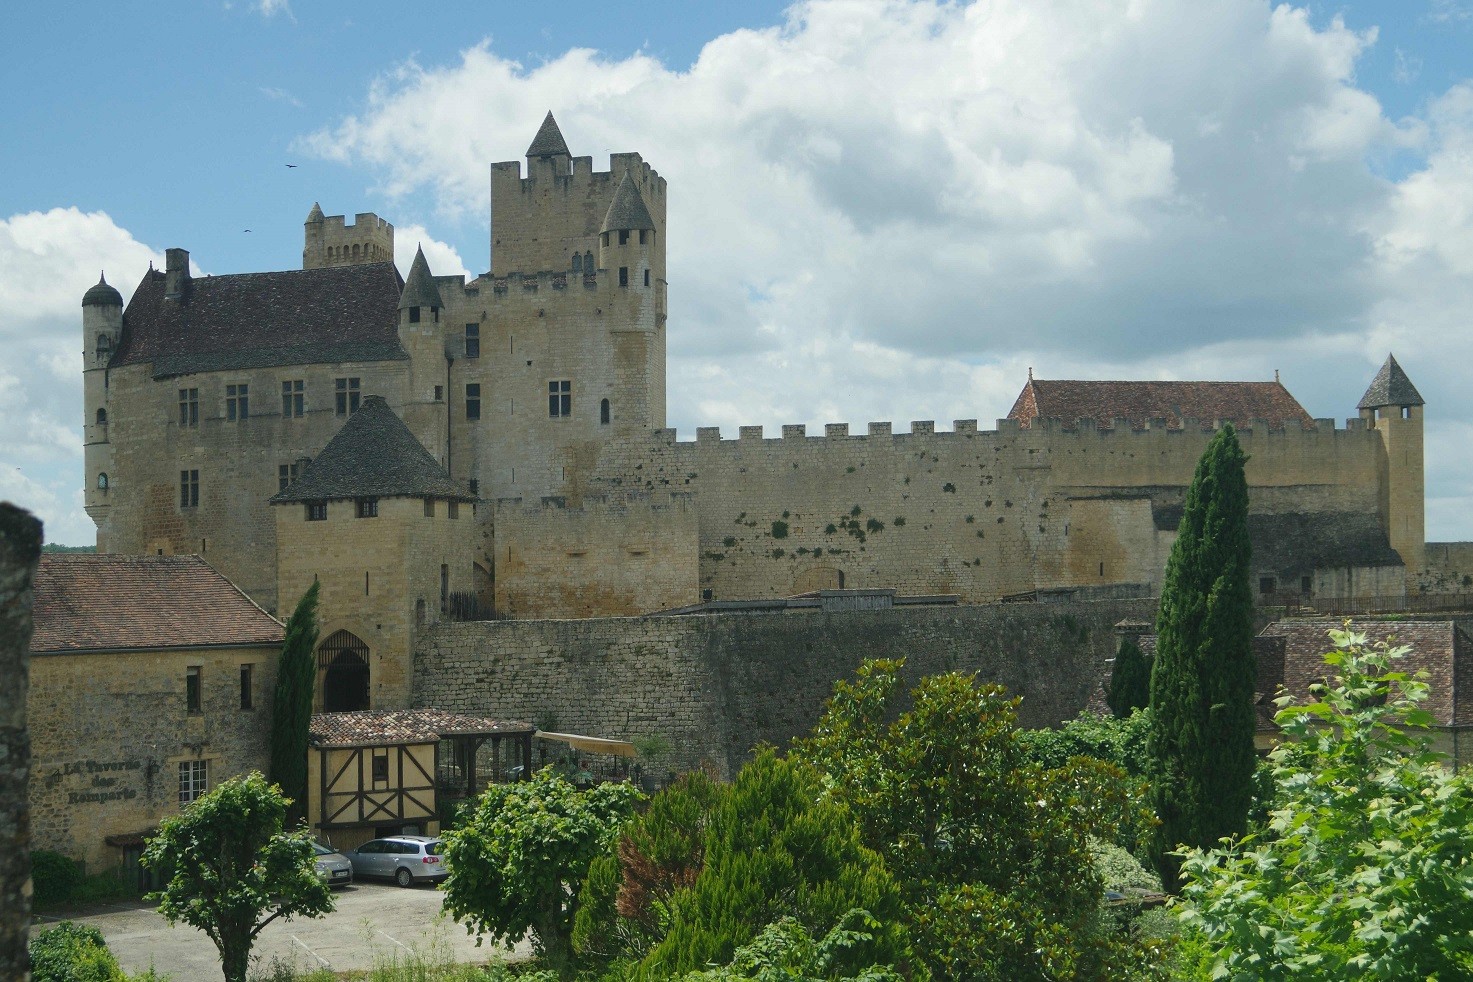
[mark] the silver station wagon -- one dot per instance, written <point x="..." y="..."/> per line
<point x="405" y="859"/>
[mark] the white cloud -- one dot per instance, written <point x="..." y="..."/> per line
<point x="281" y="95"/>
<point x="51" y="258"/>
<point x="270" y="8"/>
<point x="442" y="257"/>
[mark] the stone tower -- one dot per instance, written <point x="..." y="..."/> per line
<point x="1392" y="406"/>
<point x="102" y="324"/>
<point x="329" y="241"/>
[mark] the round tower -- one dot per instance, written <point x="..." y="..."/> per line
<point x="627" y="238"/>
<point x="102" y="328"/>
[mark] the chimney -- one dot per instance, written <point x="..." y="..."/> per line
<point x="176" y="273"/>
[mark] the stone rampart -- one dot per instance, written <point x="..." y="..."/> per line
<point x="715" y="686"/>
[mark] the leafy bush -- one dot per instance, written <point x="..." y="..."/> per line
<point x="1121" y="742"/>
<point x="55" y="878"/>
<point x="786" y="952"/>
<point x="1362" y="870"/>
<point x="73" y="953"/>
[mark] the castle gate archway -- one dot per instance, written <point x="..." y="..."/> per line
<point x="342" y="673"/>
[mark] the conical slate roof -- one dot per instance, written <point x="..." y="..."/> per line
<point x="373" y="456"/>
<point x="102" y="295"/>
<point x="315" y="215"/>
<point x="419" y="288"/>
<point x="549" y="140"/>
<point x="627" y="211"/>
<point x="1391" y="387"/>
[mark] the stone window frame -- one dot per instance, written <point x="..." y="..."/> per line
<point x="472" y="340"/>
<point x="559" y="398"/>
<point x="189" y="407"/>
<point x="237" y="401"/>
<point x="293" y="398"/>
<point x="286" y="476"/>
<point x="248" y="686"/>
<point x="188" y="488"/>
<point x="429" y="508"/>
<point x="365" y="507"/>
<point x="194" y="780"/>
<point x="623" y="275"/>
<point x="452" y="509"/>
<point x="605" y="413"/>
<point x="348" y="395"/>
<point x="316" y="511"/>
<point x="473" y="400"/>
<point x="194" y="690"/>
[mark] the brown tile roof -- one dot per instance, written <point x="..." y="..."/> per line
<point x="1440" y="648"/>
<point x="261" y="320"/>
<point x="1268" y="657"/>
<point x="91" y="603"/>
<point x="379" y="727"/>
<point x="1141" y="402"/>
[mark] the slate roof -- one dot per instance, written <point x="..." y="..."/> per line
<point x="316" y="215"/>
<point x="261" y="320"/>
<point x="1391" y="387"/>
<point x="379" y="727"/>
<point x="88" y="602"/>
<point x="102" y="295"/>
<point x="1301" y="542"/>
<point x="1140" y="402"/>
<point x="1440" y="648"/>
<point x="627" y="210"/>
<point x="373" y="456"/>
<point x="420" y="289"/>
<point x="549" y="140"/>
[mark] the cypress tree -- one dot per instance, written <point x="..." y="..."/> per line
<point x="291" y="709"/>
<point x="1200" y="746"/>
<point x="1130" y="679"/>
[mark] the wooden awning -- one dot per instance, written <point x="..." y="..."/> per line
<point x="590" y="744"/>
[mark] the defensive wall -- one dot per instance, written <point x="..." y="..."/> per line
<point x="716" y="685"/>
<point x="978" y="513"/>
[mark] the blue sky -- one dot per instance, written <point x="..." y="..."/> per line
<point x="879" y="210"/>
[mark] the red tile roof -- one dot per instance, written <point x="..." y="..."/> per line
<point x="106" y="603"/>
<point x="1141" y="402"/>
<point x="380" y="727"/>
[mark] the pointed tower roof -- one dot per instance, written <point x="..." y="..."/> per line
<point x="102" y="295"/>
<point x="549" y="140"/>
<point x="1391" y="387"/>
<point x="419" y="288"/>
<point x="373" y="456"/>
<point x="627" y="211"/>
<point x="315" y="215"/>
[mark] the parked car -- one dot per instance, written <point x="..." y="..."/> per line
<point x="406" y="859"/>
<point x="333" y="868"/>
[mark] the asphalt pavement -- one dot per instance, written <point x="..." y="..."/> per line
<point x="374" y="924"/>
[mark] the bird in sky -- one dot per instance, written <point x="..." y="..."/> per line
<point x="245" y="230"/>
<point x="293" y="166"/>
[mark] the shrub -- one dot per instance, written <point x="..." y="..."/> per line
<point x="73" y="953"/>
<point x="55" y="878"/>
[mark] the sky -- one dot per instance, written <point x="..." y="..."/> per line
<point x="877" y="210"/>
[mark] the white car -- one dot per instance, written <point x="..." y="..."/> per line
<point x="332" y="867"/>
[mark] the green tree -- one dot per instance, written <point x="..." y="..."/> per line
<point x="785" y="951"/>
<point x="1362" y="870"/>
<point x="991" y="852"/>
<point x="1130" y="679"/>
<point x="1202" y="717"/>
<point x="775" y="847"/>
<point x="518" y="864"/>
<point x="291" y="709"/>
<point x="233" y="870"/>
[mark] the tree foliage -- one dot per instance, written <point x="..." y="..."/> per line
<point x="775" y="847"/>
<point x="291" y="708"/>
<point x="1202" y="682"/>
<point x="518" y="864"/>
<point x="991" y="851"/>
<point x="785" y="951"/>
<point x="72" y="952"/>
<point x="1130" y="679"/>
<point x="1363" y="869"/>
<point x="234" y="870"/>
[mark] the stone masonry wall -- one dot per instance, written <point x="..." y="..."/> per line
<point x="20" y="549"/>
<point x="109" y="731"/>
<point x="982" y="514"/>
<point x="716" y="686"/>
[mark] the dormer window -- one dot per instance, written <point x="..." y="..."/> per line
<point x="414" y="315"/>
<point x="316" y="511"/>
<point x="367" y="507"/>
<point x="623" y="238"/>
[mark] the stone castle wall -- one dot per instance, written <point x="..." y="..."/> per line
<point x="619" y="557"/>
<point x="716" y="686"/>
<point x="982" y="514"/>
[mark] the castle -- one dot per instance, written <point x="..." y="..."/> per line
<point x="413" y="442"/>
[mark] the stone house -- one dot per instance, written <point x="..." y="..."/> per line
<point x="151" y="681"/>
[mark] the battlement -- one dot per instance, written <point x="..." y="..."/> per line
<point x="515" y="285"/>
<point x="579" y="172"/>
<point x="330" y="241"/>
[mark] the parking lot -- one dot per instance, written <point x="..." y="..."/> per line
<point x="373" y="924"/>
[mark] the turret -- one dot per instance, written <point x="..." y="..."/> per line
<point x="327" y="240"/>
<point x="420" y="299"/>
<point x="627" y="237"/>
<point x="1392" y="406"/>
<point x="548" y="155"/>
<point x="102" y="327"/>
